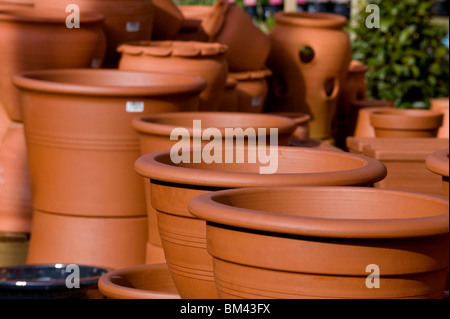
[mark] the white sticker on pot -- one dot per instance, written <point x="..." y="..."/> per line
<point x="135" y="107"/>
<point x="133" y="26"/>
<point x="256" y="101"/>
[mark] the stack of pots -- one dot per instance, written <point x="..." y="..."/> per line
<point x="89" y="204"/>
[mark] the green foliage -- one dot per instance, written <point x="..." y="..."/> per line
<point x="408" y="63"/>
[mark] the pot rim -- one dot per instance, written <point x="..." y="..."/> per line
<point x="311" y="19"/>
<point x="155" y="167"/>
<point x="251" y="75"/>
<point x="107" y="287"/>
<point x="411" y="119"/>
<point x="149" y="124"/>
<point x="210" y="207"/>
<point x="41" y="81"/>
<point x="39" y="15"/>
<point x="438" y="162"/>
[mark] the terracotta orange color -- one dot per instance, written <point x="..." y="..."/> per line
<point x="360" y="116"/>
<point x="229" y="101"/>
<point x="184" y="237"/>
<point x="168" y="20"/>
<point x="301" y="132"/>
<point x="15" y="188"/>
<point x="206" y="60"/>
<point x="438" y="162"/>
<point x="26" y="3"/>
<point x="406" y="123"/>
<point x="125" y="20"/>
<point x="442" y="105"/>
<point x="310" y="56"/>
<point x="152" y="281"/>
<point x="33" y="39"/>
<point x="191" y="29"/>
<point x="77" y="120"/>
<point x="155" y="135"/>
<point x="113" y="242"/>
<point x="272" y="242"/>
<point x="251" y="88"/>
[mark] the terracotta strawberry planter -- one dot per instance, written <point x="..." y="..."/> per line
<point x="112" y="242"/>
<point x="76" y="119"/>
<point x="251" y="88"/>
<point x="125" y="20"/>
<point x="442" y="105"/>
<point x="34" y="39"/>
<point x="272" y="242"/>
<point x="183" y="236"/>
<point x="206" y="60"/>
<point x="168" y="20"/>
<point x="310" y="56"/>
<point x="155" y="135"/>
<point x="438" y="162"/>
<point x="406" y="123"/>
<point x="360" y="116"/>
<point x="229" y="101"/>
<point x="151" y="281"/>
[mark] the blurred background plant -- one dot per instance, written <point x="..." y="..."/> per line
<point x="407" y="58"/>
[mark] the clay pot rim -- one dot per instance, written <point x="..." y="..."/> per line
<point x="372" y="104"/>
<point x="158" y="166"/>
<point x="356" y="66"/>
<point x="298" y="117"/>
<point x="210" y="207"/>
<point x="186" y="49"/>
<point x="311" y="19"/>
<point x="438" y="162"/>
<point x="151" y="124"/>
<point x="406" y="119"/>
<point x="30" y="14"/>
<point x="41" y="81"/>
<point x="251" y="75"/>
<point x="107" y="287"/>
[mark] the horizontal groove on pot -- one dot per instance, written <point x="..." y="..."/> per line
<point x="191" y="273"/>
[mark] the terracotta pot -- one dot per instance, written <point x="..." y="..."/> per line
<point x="112" y="242"/>
<point x="168" y="20"/>
<point x="360" y="116"/>
<point x="184" y="236"/>
<point x="272" y="242"/>
<point x="76" y="119"/>
<point x="309" y="58"/>
<point x="301" y="132"/>
<point x="354" y="88"/>
<point x="25" y="3"/>
<point x="206" y="60"/>
<point x="251" y="89"/>
<point x="437" y="162"/>
<point x="39" y="39"/>
<point x="442" y="105"/>
<point x="155" y="135"/>
<point x="125" y="20"/>
<point x="191" y="29"/>
<point x="15" y="189"/>
<point x="247" y="50"/>
<point x="229" y="101"/>
<point x="151" y="281"/>
<point x="406" y="123"/>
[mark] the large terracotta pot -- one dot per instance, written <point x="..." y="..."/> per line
<point x="125" y="20"/>
<point x="442" y="105"/>
<point x="112" y="242"/>
<point x="310" y="56"/>
<point x="155" y="135"/>
<point x="152" y="281"/>
<point x="406" y="123"/>
<point x="318" y="242"/>
<point x="77" y="120"/>
<point x="33" y="39"/>
<point x="438" y="162"/>
<point x="360" y="125"/>
<point x="251" y="88"/>
<point x="167" y="21"/>
<point x="193" y="58"/>
<point x="15" y="189"/>
<point x="184" y="237"/>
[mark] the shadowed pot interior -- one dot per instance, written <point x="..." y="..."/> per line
<point x="174" y="185"/>
<point x="326" y="242"/>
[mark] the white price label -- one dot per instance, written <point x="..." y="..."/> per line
<point x="133" y="26"/>
<point x="135" y="107"/>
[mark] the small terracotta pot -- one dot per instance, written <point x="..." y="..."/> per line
<point x="229" y="101"/>
<point x="183" y="236"/>
<point x="168" y="20"/>
<point x="360" y="116"/>
<point x="438" y="162"/>
<point x="15" y="188"/>
<point x="301" y="132"/>
<point x="155" y="135"/>
<point x="125" y="20"/>
<point x="192" y="29"/>
<point x="34" y="39"/>
<point x="152" y="281"/>
<point x="192" y="58"/>
<point x="406" y="123"/>
<point x="442" y="105"/>
<point x="76" y="119"/>
<point x="272" y="242"/>
<point x="251" y="88"/>
<point x="248" y="46"/>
